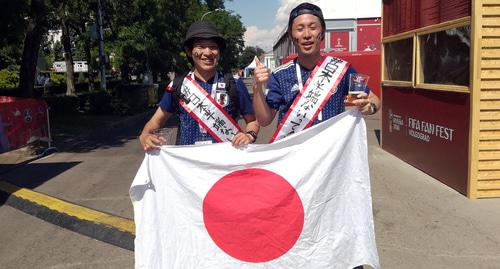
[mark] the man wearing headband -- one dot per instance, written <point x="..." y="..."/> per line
<point x="306" y="28"/>
<point x="276" y="92"/>
<point x="207" y="101"/>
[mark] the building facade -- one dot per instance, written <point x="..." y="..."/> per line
<point x="350" y="26"/>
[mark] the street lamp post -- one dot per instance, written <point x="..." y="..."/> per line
<point x="206" y="13"/>
<point x="102" y="57"/>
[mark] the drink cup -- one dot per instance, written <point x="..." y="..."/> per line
<point x="357" y="85"/>
<point x="164" y="133"/>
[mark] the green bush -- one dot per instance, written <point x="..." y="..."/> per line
<point x="9" y="77"/>
<point x="57" y="79"/>
<point x="62" y="104"/>
<point x="99" y="103"/>
<point x="120" y="107"/>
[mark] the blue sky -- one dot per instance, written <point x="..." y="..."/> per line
<point x="264" y="19"/>
<point x="260" y="13"/>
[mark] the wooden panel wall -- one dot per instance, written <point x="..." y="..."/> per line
<point x="405" y="15"/>
<point x="488" y="166"/>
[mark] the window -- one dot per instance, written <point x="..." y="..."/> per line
<point x="444" y="57"/>
<point x="398" y="60"/>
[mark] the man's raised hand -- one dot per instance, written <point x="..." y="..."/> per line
<point x="261" y="75"/>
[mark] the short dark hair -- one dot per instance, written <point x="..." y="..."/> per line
<point x="305" y="8"/>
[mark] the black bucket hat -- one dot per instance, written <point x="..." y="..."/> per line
<point x="203" y="29"/>
<point x="306" y="8"/>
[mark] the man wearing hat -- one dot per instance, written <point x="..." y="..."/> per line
<point x="306" y="28"/>
<point x="204" y="98"/>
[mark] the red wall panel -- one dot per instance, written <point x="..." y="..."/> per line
<point x="368" y="37"/>
<point x="429" y="130"/>
<point x="454" y="9"/>
<point x="405" y="15"/>
<point x="429" y="14"/>
<point x="339" y="41"/>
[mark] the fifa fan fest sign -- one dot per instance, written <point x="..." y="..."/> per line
<point x="432" y="135"/>
<point x="22" y="121"/>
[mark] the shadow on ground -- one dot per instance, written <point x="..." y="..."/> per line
<point x="33" y="175"/>
<point x="114" y="135"/>
<point x="27" y="174"/>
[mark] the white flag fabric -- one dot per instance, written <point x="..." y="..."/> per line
<point x="301" y="202"/>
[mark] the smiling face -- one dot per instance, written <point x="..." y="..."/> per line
<point x="205" y="54"/>
<point x="307" y="33"/>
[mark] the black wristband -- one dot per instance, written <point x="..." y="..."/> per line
<point x="373" y="108"/>
<point x="253" y="134"/>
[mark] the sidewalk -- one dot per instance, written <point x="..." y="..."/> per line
<point x="419" y="222"/>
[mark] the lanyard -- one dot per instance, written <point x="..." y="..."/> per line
<point x="214" y="85"/>
<point x="299" y="75"/>
<point x="301" y="85"/>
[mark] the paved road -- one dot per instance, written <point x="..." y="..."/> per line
<point x="420" y="223"/>
<point x="28" y="242"/>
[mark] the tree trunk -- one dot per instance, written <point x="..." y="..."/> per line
<point x="32" y="41"/>
<point x="68" y="58"/>
<point x="88" y="56"/>
<point x="125" y="70"/>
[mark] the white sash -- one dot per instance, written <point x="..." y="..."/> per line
<point x="322" y="83"/>
<point x="206" y="111"/>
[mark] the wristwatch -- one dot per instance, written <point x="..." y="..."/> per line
<point x="373" y="108"/>
<point x="254" y="135"/>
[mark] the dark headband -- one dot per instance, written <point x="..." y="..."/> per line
<point x="305" y="8"/>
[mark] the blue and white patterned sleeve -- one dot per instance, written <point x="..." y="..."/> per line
<point x="274" y="95"/>
<point x="167" y="101"/>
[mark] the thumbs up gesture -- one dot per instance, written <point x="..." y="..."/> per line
<point x="261" y="75"/>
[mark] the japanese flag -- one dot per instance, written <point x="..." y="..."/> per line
<point x="301" y="202"/>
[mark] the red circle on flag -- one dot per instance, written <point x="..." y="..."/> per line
<point x="253" y="215"/>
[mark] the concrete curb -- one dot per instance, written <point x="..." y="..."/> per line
<point x="92" y="223"/>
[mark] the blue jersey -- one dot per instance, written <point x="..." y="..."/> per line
<point x="190" y="130"/>
<point x="283" y="87"/>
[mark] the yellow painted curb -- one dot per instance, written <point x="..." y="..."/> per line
<point x="83" y="213"/>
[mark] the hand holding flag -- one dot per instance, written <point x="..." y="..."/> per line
<point x="262" y="207"/>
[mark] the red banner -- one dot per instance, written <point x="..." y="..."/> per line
<point x="22" y="121"/>
<point x="429" y="130"/>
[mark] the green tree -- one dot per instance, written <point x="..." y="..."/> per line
<point x="232" y="29"/>
<point x="81" y="19"/>
<point x="12" y="29"/>
<point x="248" y="55"/>
<point x="214" y="4"/>
<point x="146" y="35"/>
<point x="58" y="51"/>
<point x="37" y="26"/>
